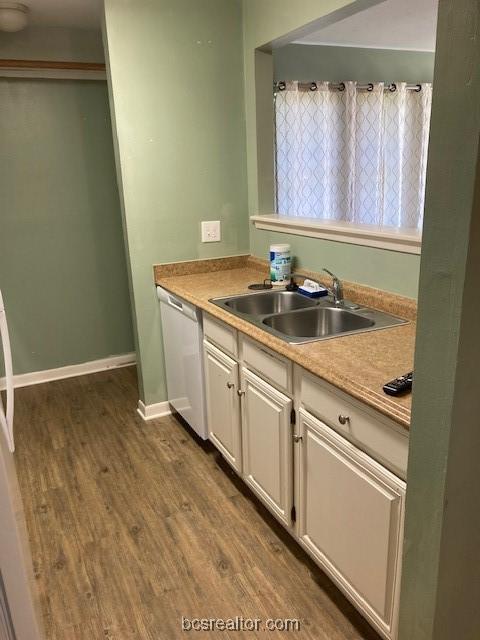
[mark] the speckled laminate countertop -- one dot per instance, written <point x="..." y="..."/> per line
<point x="358" y="364"/>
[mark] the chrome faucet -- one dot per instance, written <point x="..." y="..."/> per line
<point x="337" y="289"/>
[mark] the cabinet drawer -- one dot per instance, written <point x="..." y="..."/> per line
<point x="220" y="334"/>
<point x="271" y="366"/>
<point x="384" y="440"/>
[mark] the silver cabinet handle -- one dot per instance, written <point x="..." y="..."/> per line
<point x="230" y="385"/>
<point x="343" y="419"/>
<point x="240" y="393"/>
<point x="297" y="438"/>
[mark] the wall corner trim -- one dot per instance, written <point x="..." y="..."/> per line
<point x="71" y="371"/>
<point x="152" y="411"/>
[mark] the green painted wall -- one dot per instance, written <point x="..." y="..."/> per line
<point x="267" y="21"/>
<point x="62" y="265"/>
<point x="264" y="23"/>
<point x="383" y="269"/>
<point x="389" y="270"/>
<point x="314" y="62"/>
<point x="53" y="43"/>
<point x="176" y="87"/>
<point x="440" y="585"/>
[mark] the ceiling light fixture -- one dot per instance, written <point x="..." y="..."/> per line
<point x="13" y="16"/>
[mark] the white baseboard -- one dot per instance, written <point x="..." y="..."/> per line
<point x="151" y="411"/>
<point x="71" y="371"/>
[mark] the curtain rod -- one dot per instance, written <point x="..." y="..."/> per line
<point x="51" y="64"/>
<point x="52" y="70"/>
<point x="340" y="86"/>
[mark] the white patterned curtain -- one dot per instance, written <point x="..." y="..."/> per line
<point x="354" y="155"/>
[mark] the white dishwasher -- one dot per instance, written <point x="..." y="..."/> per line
<point x="183" y="348"/>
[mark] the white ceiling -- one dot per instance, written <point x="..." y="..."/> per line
<point x="392" y="24"/>
<point x="82" y="14"/>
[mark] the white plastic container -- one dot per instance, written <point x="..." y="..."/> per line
<point x="280" y="264"/>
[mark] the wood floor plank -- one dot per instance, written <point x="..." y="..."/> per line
<point x="133" y="525"/>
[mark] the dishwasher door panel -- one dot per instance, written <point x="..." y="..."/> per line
<point x="182" y="340"/>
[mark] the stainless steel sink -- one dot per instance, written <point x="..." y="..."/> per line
<point x="318" y="323"/>
<point x="269" y="302"/>
<point x="297" y="319"/>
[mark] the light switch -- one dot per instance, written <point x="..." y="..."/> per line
<point x="211" y="231"/>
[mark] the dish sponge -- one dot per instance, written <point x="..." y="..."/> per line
<point x="312" y="289"/>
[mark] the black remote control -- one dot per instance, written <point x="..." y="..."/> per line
<point x="399" y="386"/>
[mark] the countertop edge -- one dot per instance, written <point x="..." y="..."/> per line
<point x="366" y="396"/>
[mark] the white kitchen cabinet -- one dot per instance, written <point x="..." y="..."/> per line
<point x="223" y="406"/>
<point x="333" y="479"/>
<point x="350" y="518"/>
<point x="370" y="431"/>
<point x="267" y="444"/>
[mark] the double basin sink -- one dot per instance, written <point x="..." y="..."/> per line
<point x="296" y="318"/>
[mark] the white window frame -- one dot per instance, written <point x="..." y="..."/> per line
<point x="392" y="239"/>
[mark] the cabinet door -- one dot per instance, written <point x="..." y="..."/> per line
<point x="223" y="405"/>
<point x="267" y="444"/>
<point x="351" y="520"/>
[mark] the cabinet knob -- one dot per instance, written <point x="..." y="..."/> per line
<point x="343" y="419"/>
<point x="240" y="392"/>
<point x="230" y="385"/>
<point x="297" y="438"/>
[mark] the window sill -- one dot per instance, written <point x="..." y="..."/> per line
<point x="405" y="241"/>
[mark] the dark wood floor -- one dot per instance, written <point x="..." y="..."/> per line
<point x="134" y="525"/>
